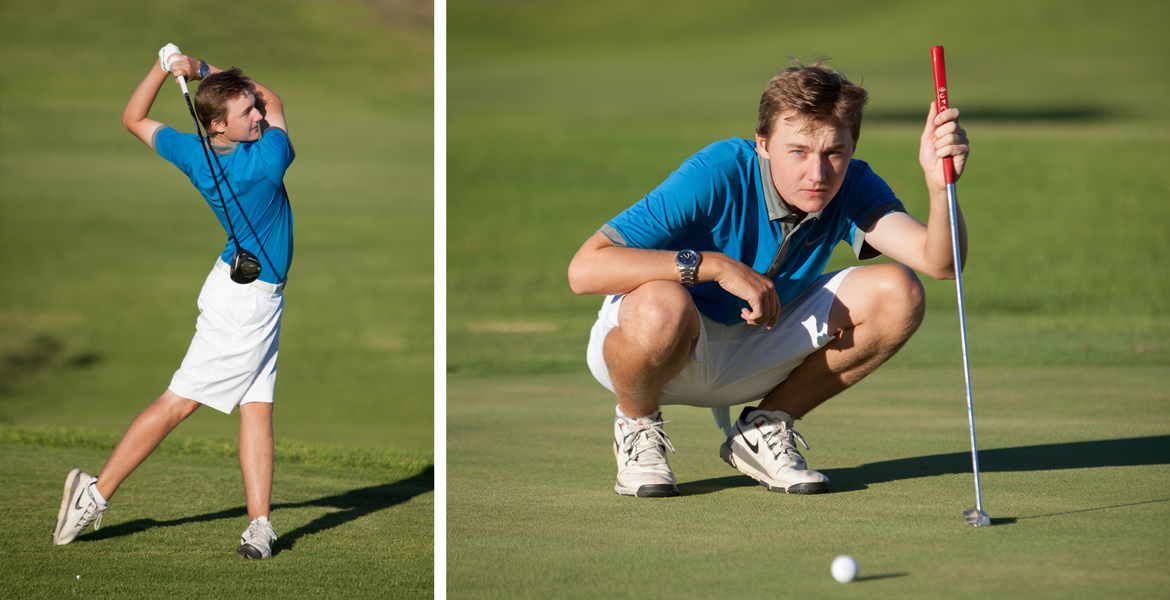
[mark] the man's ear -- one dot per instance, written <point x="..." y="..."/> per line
<point x="762" y="146"/>
<point x="218" y="126"/>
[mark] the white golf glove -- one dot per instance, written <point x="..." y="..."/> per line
<point x="165" y="54"/>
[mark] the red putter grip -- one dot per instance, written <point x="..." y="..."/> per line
<point x="940" y="91"/>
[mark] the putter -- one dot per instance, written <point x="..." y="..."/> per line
<point x="976" y="516"/>
<point x="245" y="267"/>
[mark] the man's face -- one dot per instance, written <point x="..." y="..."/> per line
<point x="808" y="165"/>
<point x="243" y="119"/>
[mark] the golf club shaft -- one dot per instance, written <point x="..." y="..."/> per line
<point x="940" y="87"/>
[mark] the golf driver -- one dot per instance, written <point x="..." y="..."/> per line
<point x="975" y="516"/>
<point x="245" y="267"/>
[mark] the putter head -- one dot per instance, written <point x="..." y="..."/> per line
<point x="977" y="517"/>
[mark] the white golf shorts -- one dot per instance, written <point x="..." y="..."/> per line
<point x="232" y="358"/>
<point x="735" y="364"/>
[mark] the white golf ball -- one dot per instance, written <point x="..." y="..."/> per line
<point x="844" y="568"/>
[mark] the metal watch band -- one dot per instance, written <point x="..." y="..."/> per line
<point x="688" y="263"/>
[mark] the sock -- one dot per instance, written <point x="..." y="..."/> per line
<point x="95" y="494"/>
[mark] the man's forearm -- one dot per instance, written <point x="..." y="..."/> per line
<point x="618" y="270"/>
<point x="138" y="107"/>
<point x="939" y="250"/>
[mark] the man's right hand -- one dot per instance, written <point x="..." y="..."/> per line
<point x="747" y="284"/>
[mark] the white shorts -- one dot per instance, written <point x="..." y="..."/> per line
<point x="736" y="364"/>
<point x="232" y="358"/>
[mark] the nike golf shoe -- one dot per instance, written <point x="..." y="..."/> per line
<point x="79" y="508"/>
<point x="256" y="541"/>
<point x="762" y="446"/>
<point x="640" y="448"/>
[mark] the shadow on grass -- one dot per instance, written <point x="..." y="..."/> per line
<point x="1066" y="114"/>
<point x="352" y="505"/>
<point x="1152" y="450"/>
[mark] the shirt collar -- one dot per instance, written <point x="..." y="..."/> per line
<point x="224" y="149"/>
<point x="777" y="209"/>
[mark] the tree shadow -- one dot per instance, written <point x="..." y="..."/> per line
<point x="353" y="505"/>
<point x="1139" y="451"/>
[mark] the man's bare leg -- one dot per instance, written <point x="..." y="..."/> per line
<point x="877" y="309"/>
<point x="145" y="433"/>
<point x="658" y="325"/>
<point x="256" y="456"/>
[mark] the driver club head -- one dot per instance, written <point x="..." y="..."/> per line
<point x="977" y="517"/>
<point x="245" y="267"/>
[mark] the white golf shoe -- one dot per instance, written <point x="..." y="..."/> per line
<point x="762" y="447"/>
<point x="79" y="508"/>
<point x="256" y="541"/>
<point x="640" y="448"/>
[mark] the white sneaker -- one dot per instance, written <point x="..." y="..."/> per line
<point x="640" y="448"/>
<point x="256" y="541"/>
<point x="761" y="446"/>
<point x="79" y="508"/>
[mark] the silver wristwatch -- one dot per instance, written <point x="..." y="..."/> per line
<point x="688" y="265"/>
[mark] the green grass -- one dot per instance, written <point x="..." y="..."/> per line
<point x="351" y="523"/>
<point x="103" y="245"/>
<point x="1073" y="474"/>
<point x="103" y="249"/>
<point x="562" y="114"/>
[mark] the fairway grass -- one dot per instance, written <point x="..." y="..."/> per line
<point x="352" y="523"/>
<point x="1075" y="486"/>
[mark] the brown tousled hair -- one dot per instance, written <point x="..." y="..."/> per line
<point x="816" y="92"/>
<point x="214" y="93"/>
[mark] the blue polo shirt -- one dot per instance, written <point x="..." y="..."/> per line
<point x="717" y="201"/>
<point x="255" y="177"/>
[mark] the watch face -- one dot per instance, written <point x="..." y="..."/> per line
<point x="687" y="258"/>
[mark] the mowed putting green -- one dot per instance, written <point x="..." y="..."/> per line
<point x="104" y="247"/>
<point x="565" y="114"/>
<point x="532" y="512"/>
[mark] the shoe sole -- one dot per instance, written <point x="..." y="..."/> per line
<point x="653" y="490"/>
<point x="250" y="552"/>
<point x="67" y="496"/>
<point x="797" y="488"/>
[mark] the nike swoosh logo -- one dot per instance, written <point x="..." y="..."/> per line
<point x="755" y="448"/>
<point x="77" y="504"/>
<point x="816" y="241"/>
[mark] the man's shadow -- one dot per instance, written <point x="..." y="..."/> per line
<point x="1140" y="451"/>
<point x="352" y="505"/>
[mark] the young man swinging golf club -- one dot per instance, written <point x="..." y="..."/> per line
<point x="231" y="361"/>
<point x="714" y="288"/>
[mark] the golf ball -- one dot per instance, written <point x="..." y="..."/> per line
<point x="844" y="568"/>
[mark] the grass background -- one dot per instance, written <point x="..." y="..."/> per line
<point x="562" y="114"/>
<point x="103" y="247"/>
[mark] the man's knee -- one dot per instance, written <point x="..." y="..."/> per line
<point x="888" y="297"/>
<point x="660" y="306"/>
<point x="659" y="313"/>
<point x="176" y="407"/>
<point x="900" y="298"/>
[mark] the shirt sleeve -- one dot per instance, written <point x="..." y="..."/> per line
<point x="276" y="153"/>
<point x="685" y="200"/>
<point x="870" y="199"/>
<point x="170" y="145"/>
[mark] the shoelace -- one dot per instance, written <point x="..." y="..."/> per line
<point x="92" y="513"/>
<point x="786" y="434"/>
<point x="256" y="530"/>
<point x="653" y="430"/>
